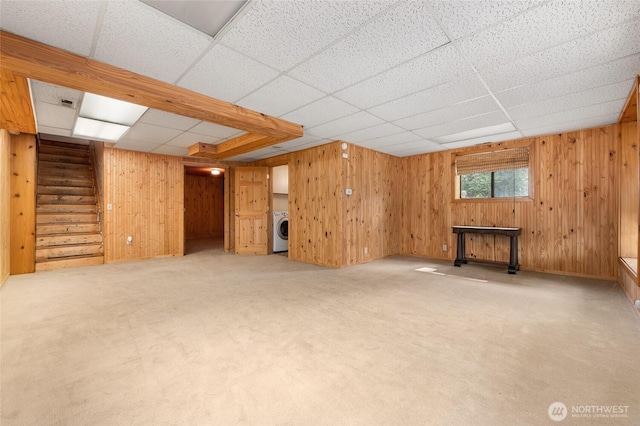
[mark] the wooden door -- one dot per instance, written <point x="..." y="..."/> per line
<point x="251" y="189"/>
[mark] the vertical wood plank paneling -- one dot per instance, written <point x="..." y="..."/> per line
<point x="569" y="226"/>
<point x="5" y="200"/>
<point x="204" y="204"/>
<point x="629" y="180"/>
<point x="146" y="194"/>
<point x="23" y="204"/>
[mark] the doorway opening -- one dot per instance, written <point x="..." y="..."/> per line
<point x="204" y="209"/>
<point x="280" y="208"/>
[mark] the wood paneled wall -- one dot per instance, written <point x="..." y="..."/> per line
<point x="204" y="204"/>
<point x="5" y="200"/>
<point x="628" y="282"/>
<point x="146" y="194"/>
<point x="23" y="204"/>
<point x="629" y="189"/>
<point x="372" y="215"/>
<point x="570" y="226"/>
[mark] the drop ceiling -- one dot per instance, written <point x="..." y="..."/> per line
<point x="401" y="77"/>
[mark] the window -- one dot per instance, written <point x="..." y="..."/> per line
<point x="493" y="174"/>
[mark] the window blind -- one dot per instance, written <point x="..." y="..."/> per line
<point x="491" y="161"/>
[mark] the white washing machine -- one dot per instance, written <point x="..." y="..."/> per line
<point x="280" y="231"/>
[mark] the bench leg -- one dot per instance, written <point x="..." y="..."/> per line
<point x="513" y="256"/>
<point x="460" y="249"/>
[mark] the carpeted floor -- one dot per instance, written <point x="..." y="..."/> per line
<point x="217" y="339"/>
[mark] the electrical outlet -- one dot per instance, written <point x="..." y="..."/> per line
<point x="366" y="250"/>
<point x="129" y="239"/>
<point x="109" y="207"/>
<point x="444" y="247"/>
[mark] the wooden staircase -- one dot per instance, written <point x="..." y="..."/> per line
<point x="68" y="231"/>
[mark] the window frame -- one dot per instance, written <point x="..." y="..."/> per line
<point x="488" y="148"/>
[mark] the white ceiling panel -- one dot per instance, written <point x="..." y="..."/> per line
<point x="434" y="98"/>
<point x="134" y="145"/>
<point x="436" y="67"/>
<point x="569" y="126"/>
<point x="170" y="150"/>
<point x="152" y="134"/>
<point x="166" y="119"/>
<point x="396" y="139"/>
<point x="51" y="94"/>
<point x="598" y="110"/>
<point x="69" y="25"/>
<point x="545" y="26"/>
<point x="227" y="75"/>
<point x="280" y="96"/>
<point x="579" y="81"/>
<point x="454" y="112"/>
<point x="484" y="139"/>
<point x="283" y="33"/>
<point x="186" y="139"/>
<point x="296" y="143"/>
<point x="46" y="130"/>
<point x="215" y="130"/>
<point x="320" y="111"/>
<point x="55" y="115"/>
<point x="149" y="42"/>
<point x="605" y="46"/>
<point x="402" y="33"/>
<point x="410" y="148"/>
<point x="351" y="123"/>
<point x="464" y="17"/>
<point x="572" y="101"/>
<point x="385" y="129"/>
<point x="476" y="122"/>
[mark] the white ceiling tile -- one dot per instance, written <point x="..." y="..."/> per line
<point x="436" y="67"/>
<point x="46" y="130"/>
<point x="585" y="123"/>
<point x="466" y="17"/>
<point x="320" y="111"/>
<point x="410" y="148"/>
<point x="186" y="139"/>
<point x="434" y="98"/>
<point x="605" y="46"/>
<point x="454" y="112"/>
<point x="227" y="75"/>
<point x="167" y="119"/>
<point x="476" y="122"/>
<point x="171" y="150"/>
<point x="55" y="115"/>
<point x="402" y="33"/>
<point x="385" y="129"/>
<point x="351" y="123"/>
<point x="597" y="110"/>
<point x="134" y="145"/>
<point x="396" y="139"/>
<point x="283" y="33"/>
<point x="282" y="95"/>
<point x="296" y="143"/>
<point x="593" y="77"/>
<point x="484" y="139"/>
<point x="51" y="94"/>
<point x="141" y="39"/>
<point x="152" y="134"/>
<point x="215" y="130"/>
<point x="572" y="101"/>
<point x="545" y="26"/>
<point x="68" y="25"/>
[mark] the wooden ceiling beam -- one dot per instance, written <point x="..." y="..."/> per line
<point x="35" y="60"/>
<point x="16" y="109"/>
<point x="237" y="146"/>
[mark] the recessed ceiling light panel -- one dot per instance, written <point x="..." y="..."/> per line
<point x="112" y="110"/>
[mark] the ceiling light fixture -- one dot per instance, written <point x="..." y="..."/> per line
<point x="215" y="172"/>
<point x="96" y="129"/>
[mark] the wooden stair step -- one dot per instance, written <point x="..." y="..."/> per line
<point x="66" y="199"/>
<point x="43" y="229"/>
<point x="75" y="250"/>
<point x="66" y="218"/>
<point x="64" y="190"/>
<point x="66" y="166"/>
<point x="85" y="182"/>
<point x="72" y="262"/>
<point x="65" y="172"/>
<point x="67" y="239"/>
<point x="63" y="159"/>
<point x="48" y="142"/>
<point x="66" y="151"/>
<point x="66" y="208"/>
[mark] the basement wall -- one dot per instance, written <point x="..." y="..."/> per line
<point x="146" y="196"/>
<point x="570" y="225"/>
<point x="204" y="204"/>
<point x="5" y="197"/>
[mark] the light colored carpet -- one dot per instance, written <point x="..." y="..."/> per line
<point x="217" y="339"/>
